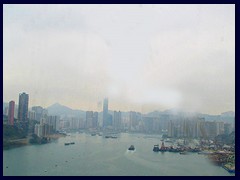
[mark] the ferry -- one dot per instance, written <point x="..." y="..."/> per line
<point x="131" y="148"/>
<point x="183" y="152"/>
<point x="156" y="148"/>
<point x="69" y="143"/>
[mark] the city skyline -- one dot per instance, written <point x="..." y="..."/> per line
<point x="173" y="110"/>
<point x="132" y="54"/>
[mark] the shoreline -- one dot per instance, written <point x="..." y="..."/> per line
<point x="14" y="143"/>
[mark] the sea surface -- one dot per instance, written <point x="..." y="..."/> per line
<point x="99" y="156"/>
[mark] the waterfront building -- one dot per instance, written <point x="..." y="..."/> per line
<point x="133" y="120"/>
<point x="170" y="129"/>
<point x="31" y="115"/>
<point x="38" y="110"/>
<point x="73" y="123"/>
<point x="156" y="125"/>
<point x="43" y="130"/>
<point x="95" y="120"/>
<point x="89" y="119"/>
<point x="117" y="120"/>
<point x="23" y="107"/>
<point x="148" y="124"/>
<point x="53" y="121"/>
<point x="109" y="120"/>
<point x="197" y="127"/>
<point x="11" y="113"/>
<point x="105" y="113"/>
<point x="81" y="123"/>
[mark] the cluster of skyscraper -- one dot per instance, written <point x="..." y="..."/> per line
<point x="22" y="110"/>
<point x="47" y="126"/>
<point x="173" y="126"/>
<point x="198" y="128"/>
<point x="110" y="121"/>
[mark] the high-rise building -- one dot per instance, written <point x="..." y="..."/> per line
<point x="105" y="112"/>
<point x="170" y="129"/>
<point x="133" y="120"/>
<point x="23" y="107"/>
<point x="117" y="120"/>
<point x="110" y="120"/>
<point x="81" y="123"/>
<point x="39" y="111"/>
<point x="31" y="115"/>
<point x="11" y="113"/>
<point x="16" y="112"/>
<point x="74" y="123"/>
<point x="89" y="119"/>
<point x="6" y="111"/>
<point x="54" y="121"/>
<point x="95" y="120"/>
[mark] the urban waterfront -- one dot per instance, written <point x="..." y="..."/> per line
<point x="99" y="156"/>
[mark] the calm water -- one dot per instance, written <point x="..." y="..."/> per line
<point x="95" y="155"/>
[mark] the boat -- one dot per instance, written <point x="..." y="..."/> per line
<point x="69" y="143"/>
<point x="131" y="148"/>
<point x="109" y="136"/>
<point x="183" y="152"/>
<point x="156" y="148"/>
<point x="93" y="134"/>
<point x="163" y="148"/>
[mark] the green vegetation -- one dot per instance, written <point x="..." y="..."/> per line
<point x="38" y="140"/>
<point x="13" y="136"/>
<point x="13" y="132"/>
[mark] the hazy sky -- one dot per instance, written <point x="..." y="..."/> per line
<point x="142" y="57"/>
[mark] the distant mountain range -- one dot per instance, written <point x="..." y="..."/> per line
<point x="61" y="110"/>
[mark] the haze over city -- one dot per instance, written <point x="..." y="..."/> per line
<point x="142" y="57"/>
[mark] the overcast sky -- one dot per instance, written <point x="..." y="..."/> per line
<point x="142" y="57"/>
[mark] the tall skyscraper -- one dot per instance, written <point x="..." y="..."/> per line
<point x="105" y="112"/>
<point x="11" y="113"/>
<point x="170" y="128"/>
<point x="89" y="119"/>
<point x="117" y="120"/>
<point x="95" y="120"/>
<point x="23" y="107"/>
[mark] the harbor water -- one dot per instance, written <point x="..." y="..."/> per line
<point x="99" y="156"/>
